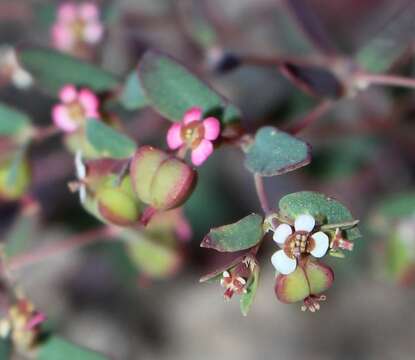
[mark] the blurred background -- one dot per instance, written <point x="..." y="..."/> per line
<point x="363" y="155"/>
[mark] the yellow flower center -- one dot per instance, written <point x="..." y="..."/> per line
<point x="298" y="243"/>
<point x="192" y="134"/>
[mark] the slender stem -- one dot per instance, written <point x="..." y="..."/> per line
<point x="276" y="61"/>
<point x="44" y="133"/>
<point x="60" y="247"/>
<point x="311" y="117"/>
<point x="260" y="190"/>
<point x="381" y="79"/>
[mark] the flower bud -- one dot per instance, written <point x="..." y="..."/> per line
<point x="12" y="187"/>
<point x="309" y="279"/>
<point x="161" y="180"/>
<point x="118" y="204"/>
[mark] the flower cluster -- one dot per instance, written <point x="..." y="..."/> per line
<point x="300" y="276"/>
<point x="194" y="133"/>
<point x="22" y="324"/>
<point x="297" y="243"/>
<point x="75" y="108"/>
<point x="77" y="26"/>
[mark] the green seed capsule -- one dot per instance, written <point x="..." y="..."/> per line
<point x="161" y="180"/>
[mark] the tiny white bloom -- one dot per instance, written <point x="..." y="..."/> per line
<point x="80" y="174"/>
<point x="9" y="65"/>
<point x="295" y="243"/>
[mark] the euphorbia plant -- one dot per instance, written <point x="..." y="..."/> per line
<point x="138" y="190"/>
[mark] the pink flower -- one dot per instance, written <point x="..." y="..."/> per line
<point x="75" y="108"/>
<point x="76" y="25"/>
<point x="195" y="134"/>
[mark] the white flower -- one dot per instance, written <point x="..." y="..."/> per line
<point x="298" y="242"/>
<point x="11" y="69"/>
<point x="80" y="174"/>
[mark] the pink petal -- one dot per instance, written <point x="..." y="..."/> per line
<point x="67" y="12"/>
<point x="212" y="128"/>
<point x="193" y="114"/>
<point x="202" y="152"/>
<point x="68" y="94"/>
<point x="174" y="138"/>
<point x="36" y="320"/>
<point x="93" y="32"/>
<point x="62" y="37"/>
<point x="88" y="11"/>
<point x="89" y="102"/>
<point x="62" y="119"/>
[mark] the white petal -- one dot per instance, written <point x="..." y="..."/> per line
<point x="321" y="244"/>
<point x="79" y="165"/>
<point x="82" y="193"/>
<point x="304" y="223"/>
<point x="282" y="263"/>
<point x="22" y="79"/>
<point x="281" y="233"/>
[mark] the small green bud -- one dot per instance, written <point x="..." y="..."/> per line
<point x="118" y="204"/>
<point x="161" y="180"/>
<point x="12" y="187"/>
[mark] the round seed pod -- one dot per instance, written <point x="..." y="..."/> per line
<point x="118" y="204"/>
<point x="161" y="180"/>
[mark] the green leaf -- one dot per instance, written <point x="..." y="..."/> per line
<point x="247" y="299"/>
<point x="171" y="89"/>
<point x="107" y="141"/>
<point x="56" y="348"/>
<point x="275" y="152"/>
<point x="12" y="121"/>
<point x="5" y="349"/>
<point x="23" y="230"/>
<point x="241" y="235"/>
<point x="132" y="95"/>
<point x="324" y="209"/>
<point x="52" y="70"/>
<point x="390" y="42"/>
<point x="397" y="206"/>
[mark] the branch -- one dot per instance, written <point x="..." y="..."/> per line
<point x="19" y="261"/>
<point x="316" y="113"/>
<point x="260" y="190"/>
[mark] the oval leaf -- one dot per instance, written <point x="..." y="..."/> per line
<point x="275" y="152"/>
<point x="321" y="207"/>
<point x="107" y="141"/>
<point x="56" y="348"/>
<point x="52" y="70"/>
<point x="171" y="89"/>
<point x="247" y="298"/>
<point x="132" y="95"/>
<point x="241" y="235"/>
<point x="12" y="121"/>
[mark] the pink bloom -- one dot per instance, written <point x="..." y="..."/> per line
<point x="75" y="108"/>
<point x="194" y="133"/>
<point x="76" y="25"/>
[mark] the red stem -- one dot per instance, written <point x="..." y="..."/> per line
<point x="311" y="117"/>
<point x="260" y="189"/>
<point x="60" y="247"/>
<point x="381" y="79"/>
